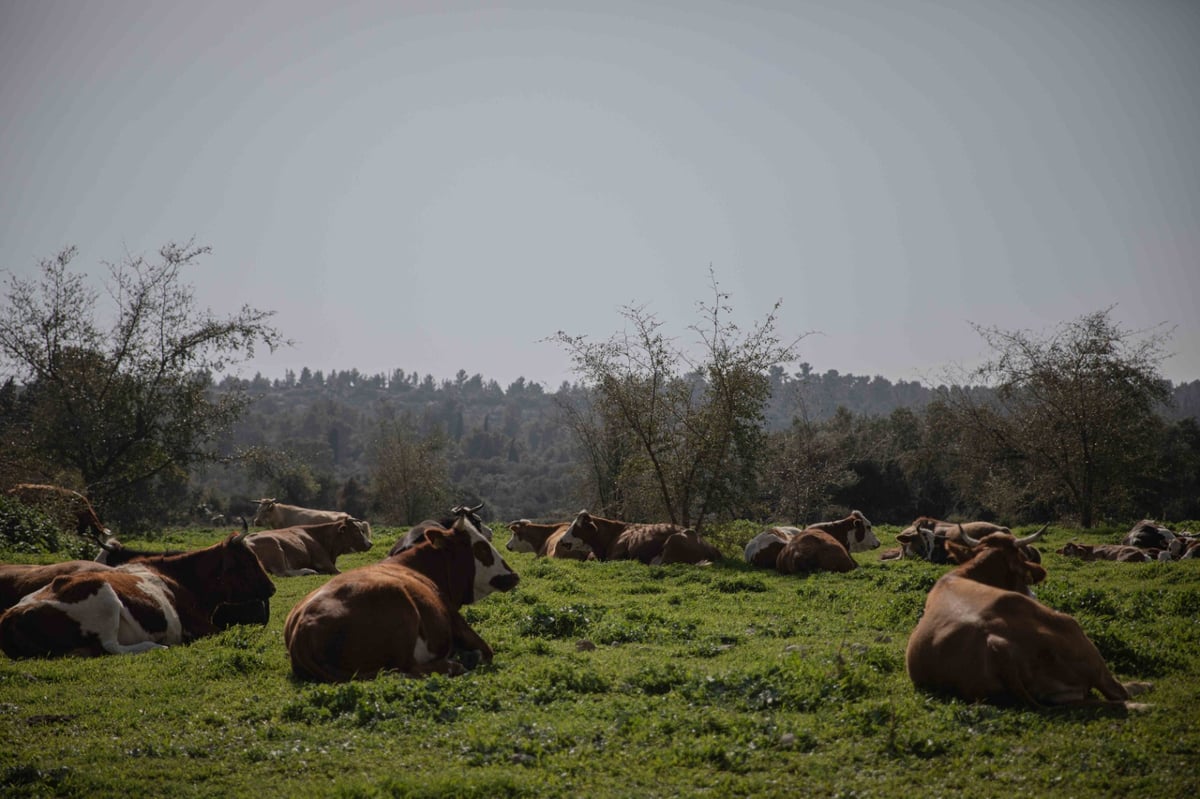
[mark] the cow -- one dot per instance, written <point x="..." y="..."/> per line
<point x="65" y="506"/>
<point x="19" y="579"/>
<point x="309" y="548"/>
<point x="543" y="539"/>
<point x="401" y="614"/>
<point x="1149" y="534"/>
<point x="1185" y="547"/>
<point x="610" y="539"/>
<point x="814" y="550"/>
<point x="275" y="515"/>
<point x="1117" y="552"/>
<point x="138" y="607"/>
<point x="924" y="539"/>
<point x="983" y="637"/>
<point x="460" y="518"/>
<point x="853" y="532"/>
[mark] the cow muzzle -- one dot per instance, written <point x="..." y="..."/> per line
<point x="505" y="582"/>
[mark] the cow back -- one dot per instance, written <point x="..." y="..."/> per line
<point x="812" y="551"/>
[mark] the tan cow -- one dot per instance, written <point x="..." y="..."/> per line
<point x="983" y="637"/>
<point x="136" y="607"/>
<point x="276" y="515"/>
<point x="610" y="539"/>
<point x="309" y="548"/>
<point x="401" y="614"/>
<point x="543" y="539"/>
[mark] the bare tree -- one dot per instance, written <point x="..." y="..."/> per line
<point x="126" y="407"/>
<point x="671" y="434"/>
<point x="1070" y="420"/>
<point x="410" y="476"/>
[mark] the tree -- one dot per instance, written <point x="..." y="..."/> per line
<point x="410" y="475"/>
<point x="687" y="435"/>
<point x="128" y="407"/>
<point x="1071" y="420"/>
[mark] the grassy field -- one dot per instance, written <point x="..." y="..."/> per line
<point x="717" y="681"/>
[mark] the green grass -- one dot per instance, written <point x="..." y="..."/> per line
<point x="717" y="681"/>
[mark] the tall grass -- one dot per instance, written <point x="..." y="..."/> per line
<point x="618" y="679"/>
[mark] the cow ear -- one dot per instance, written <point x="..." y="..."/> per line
<point x="906" y="538"/>
<point x="440" y="539"/>
<point x="961" y="553"/>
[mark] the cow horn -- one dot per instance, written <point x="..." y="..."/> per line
<point x="245" y="526"/>
<point x="966" y="539"/>
<point x="1029" y="539"/>
<point x="476" y="508"/>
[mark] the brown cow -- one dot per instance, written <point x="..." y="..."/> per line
<point x="65" y="506"/>
<point x="610" y="539"/>
<point x="983" y="637"/>
<point x="814" y="550"/>
<point x="20" y="579"/>
<point x="308" y="549"/>
<point x="853" y="532"/>
<point x="136" y="607"/>
<point x="401" y="614"/>
<point x="542" y="540"/>
<point x="1118" y="552"/>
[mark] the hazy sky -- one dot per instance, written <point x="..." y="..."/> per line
<point x="440" y="186"/>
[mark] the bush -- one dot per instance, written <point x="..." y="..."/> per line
<point x="26" y="529"/>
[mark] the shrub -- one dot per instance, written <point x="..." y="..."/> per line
<point x="26" y="529"/>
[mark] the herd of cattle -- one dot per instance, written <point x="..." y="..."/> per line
<point x="982" y="635"/>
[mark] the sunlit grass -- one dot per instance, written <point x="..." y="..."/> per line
<point x="714" y="680"/>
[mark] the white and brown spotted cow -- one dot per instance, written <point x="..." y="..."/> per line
<point x="655" y="544"/>
<point x="401" y="614"/>
<point x="20" y="579"/>
<point x="136" y="607"/>
<point x="308" y="549"/>
<point x="853" y="532"/>
<point x="543" y="539"/>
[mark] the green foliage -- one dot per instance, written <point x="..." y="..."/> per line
<point x="25" y="529"/>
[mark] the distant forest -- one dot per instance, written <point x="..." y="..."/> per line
<point x="312" y="436"/>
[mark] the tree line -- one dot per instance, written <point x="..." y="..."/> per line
<point x="1075" y="425"/>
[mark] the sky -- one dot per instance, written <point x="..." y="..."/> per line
<point x="443" y="186"/>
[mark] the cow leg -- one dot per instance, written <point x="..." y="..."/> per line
<point x="466" y="638"/>
<point x="451" y="668"/>
<point x="1007" y="669"/>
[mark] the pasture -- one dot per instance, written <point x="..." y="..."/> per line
<point x="713" y="681"/>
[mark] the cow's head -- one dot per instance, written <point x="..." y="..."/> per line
<point x="264" y="507"/>
<point x="518" y="542"/>
<point x="472" y="517"/>
<point x="923" y="542"/>
<point x="469" y="547"/>
<point x="583" y="533"/>
<point x="997" y="560"/>
<point x="1073" y="550"/>
<point x="353" y="535"/>
<point x="862" y="537"/>
<point x="240" y="575"/>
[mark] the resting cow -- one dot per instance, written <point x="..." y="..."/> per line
<point x="136" y="607"/>
<point x="854" y="533"/>
<point x="814" y="550"/>
<point x="662" y="543"/>
<point x="276" y="515"/>
<point x="1117" y="552"/>
<point x="542" y="540"/>
<point x="983" y="637"/>
<point x="20" y="579"/>
<point x="460" y="518"/>
<point x="401" y="614"/>
<point x="308" y="549"/>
